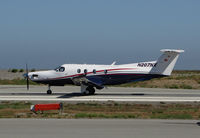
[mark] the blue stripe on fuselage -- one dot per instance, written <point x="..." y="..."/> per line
<point x="105" y="79"/>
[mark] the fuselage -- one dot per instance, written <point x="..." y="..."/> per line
<point x="107" y="74"/>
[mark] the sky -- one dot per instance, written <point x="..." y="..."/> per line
<point x="48" y="33"/>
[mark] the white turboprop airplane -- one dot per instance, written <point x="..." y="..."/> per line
<point x="90" y="76"/>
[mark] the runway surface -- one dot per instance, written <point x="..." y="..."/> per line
<point x="117" y="94"/>
<point x="98" y="128"/>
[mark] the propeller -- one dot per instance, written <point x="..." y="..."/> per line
<point x="26" y="77"/>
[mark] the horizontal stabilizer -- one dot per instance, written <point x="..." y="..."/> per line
<point x="172" y="50"/>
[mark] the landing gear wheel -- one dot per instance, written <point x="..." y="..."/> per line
<point x="49" y="92"/>
<point x="49" y="89"/>
<point x="91" y="90"/>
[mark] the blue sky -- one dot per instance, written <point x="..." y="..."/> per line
<point x="47" y="33"/>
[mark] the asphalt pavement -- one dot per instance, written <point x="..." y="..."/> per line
<point x="98" y="128"/>
<point x="117" y="94"/>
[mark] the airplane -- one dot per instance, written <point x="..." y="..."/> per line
<point x="91" y="77"/>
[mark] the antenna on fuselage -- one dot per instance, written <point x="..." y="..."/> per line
<point x="113" y="63"/>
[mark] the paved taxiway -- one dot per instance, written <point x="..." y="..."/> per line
<point x="98" y="128"/>
<point x="72" y="94"/>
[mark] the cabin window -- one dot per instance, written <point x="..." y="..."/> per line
<point x="85" y="71"/>
<point x="78" y="70"/>
<point x="94" y="71"/>
<point x="105" y="71"/>
<point x="60" y="69"/>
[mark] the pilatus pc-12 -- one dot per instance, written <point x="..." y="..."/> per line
<point x="91" y="77"/>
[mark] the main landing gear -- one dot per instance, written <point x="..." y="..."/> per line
<point x="91" y="90"/>
<point x="87" y="90"/>
<point x="49" y="91"/>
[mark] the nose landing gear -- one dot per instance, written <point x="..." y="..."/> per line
<point x="49" y="91"/>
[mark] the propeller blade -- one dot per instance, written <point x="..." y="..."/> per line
<point x="27" y="79"/>
<point x="27" y="83"/>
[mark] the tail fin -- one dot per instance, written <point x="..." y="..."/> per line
<point x="166" y="62"/>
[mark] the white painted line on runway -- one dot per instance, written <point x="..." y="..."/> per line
<point x="87" y="99"/>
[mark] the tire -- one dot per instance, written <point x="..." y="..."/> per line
<point x="49" y="92"/>
<point x="91" y="90"/>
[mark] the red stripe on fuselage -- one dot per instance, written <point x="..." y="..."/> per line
<point x="91" y="73"/>
<point x="124" y="74"/>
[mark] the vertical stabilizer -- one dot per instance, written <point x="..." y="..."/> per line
<point x="166" y="62"/>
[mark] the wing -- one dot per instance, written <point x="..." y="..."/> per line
<point x="95" y="81"/>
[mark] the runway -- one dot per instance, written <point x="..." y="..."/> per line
<point x="98" y="128"/>
<point x="117" y="94"/>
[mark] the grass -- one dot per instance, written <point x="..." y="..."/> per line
<point x="103" y="115"/>
<point x="105" y="110"/>
<point x="178" y="80"/>
<point x="17" y="105"/>
<point x="16" y="82"/>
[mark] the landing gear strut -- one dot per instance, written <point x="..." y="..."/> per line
<point x="49" y="90"/>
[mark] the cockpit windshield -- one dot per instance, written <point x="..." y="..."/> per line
<point x="60" y="69"/>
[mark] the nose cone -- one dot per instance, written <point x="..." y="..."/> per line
<point x="28" y="75"/>
<point x="33" y="76"/>
<point x="36" y="76"/>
